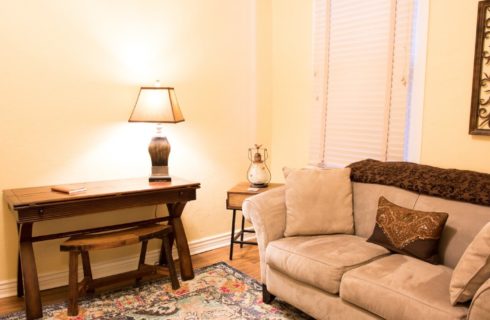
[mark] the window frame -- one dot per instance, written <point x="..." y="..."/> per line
<point x="417" y="92"/>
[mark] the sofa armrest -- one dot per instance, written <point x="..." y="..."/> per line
<point x="480" y="306"/>
<point x="267" y="211"/>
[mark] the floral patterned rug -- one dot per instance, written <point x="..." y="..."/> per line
<point x="217" y="292"/>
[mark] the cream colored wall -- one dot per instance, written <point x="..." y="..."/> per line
<point x="264" y="60"/>
<point x="450" y="52"/>
<point x="70" y="73"/>
<point x="292" y="70"/>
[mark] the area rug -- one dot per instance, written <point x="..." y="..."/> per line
<point x="217" y="292"/>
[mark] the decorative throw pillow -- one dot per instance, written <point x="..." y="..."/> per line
<point x="318" y="201"/>
<point x="473" y="269"/>
<point x="406" y="231"/>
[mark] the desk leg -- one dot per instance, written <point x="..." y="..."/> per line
<point x="31" y="283"/>
<point x="175" y="211"/>
<point x="20" y="284"/>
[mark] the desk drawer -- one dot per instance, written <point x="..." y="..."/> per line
<point x="102" y="204"/>
<point x="235" y="200"/>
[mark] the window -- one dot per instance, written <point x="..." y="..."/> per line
<point x="364" y="56"/>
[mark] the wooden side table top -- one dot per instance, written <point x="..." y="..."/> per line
<point x="241" y="191"/>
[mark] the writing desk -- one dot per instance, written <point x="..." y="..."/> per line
<point x="31" y="205"/>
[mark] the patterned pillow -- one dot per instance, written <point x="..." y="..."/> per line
<point x="410" y="232"/>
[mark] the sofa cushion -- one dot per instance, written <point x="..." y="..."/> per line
<point x="464" y="222"/>
<point x="407" y="231"/>
<point x="473" y="269"/>
<point x="366" y="196"/>
<point x="318" y="202"/>
<point x="320" y="261"/>
<point x="402" y="287"/>
<point x="311" y="300"/>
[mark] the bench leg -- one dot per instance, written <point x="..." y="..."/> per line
<point x="170" y="263"/>
<point x="87" y="271"/>
<point x="73" y="284"/>
<point x="163" y="259"/>
<point x="144" y="247"/>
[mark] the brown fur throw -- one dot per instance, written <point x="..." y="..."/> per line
<point x="461" y="185"/>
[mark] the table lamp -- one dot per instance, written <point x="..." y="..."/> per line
<point x="157" y="105"/>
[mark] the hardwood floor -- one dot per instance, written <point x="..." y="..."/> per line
<point x="245" y="259"/>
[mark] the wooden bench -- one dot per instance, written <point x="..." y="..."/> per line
<point x="83" y="244"/>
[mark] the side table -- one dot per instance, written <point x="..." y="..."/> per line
<point x="234" y="200"/>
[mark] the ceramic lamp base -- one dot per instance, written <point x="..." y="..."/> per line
<point x="159" y="150"/>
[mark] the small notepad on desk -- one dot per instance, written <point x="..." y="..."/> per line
<point x="69" y="188"/>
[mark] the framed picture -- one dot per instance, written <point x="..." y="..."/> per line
<point x="480" y="100"/>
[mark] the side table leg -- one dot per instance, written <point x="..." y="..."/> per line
<point x="243" y="228"/>
<point x="31" y="283"/>
<point x="185" y="262"/>
<point x="232" y="241"/>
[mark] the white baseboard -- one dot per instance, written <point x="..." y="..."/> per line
<point x="8" y="288"/>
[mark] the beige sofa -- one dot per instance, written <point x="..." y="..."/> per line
<point x="344" y="277"/>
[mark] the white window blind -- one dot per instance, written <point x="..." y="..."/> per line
<point x="362" y="69"/>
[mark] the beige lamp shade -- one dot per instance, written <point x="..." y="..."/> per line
<point x="156" y="104"/>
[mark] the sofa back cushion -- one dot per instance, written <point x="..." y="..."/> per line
<point x="464" y="222"/>
<point x="318" y="202"/>
<point x="366" y="197"/>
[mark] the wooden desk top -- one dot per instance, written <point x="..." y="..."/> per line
<point x="27" y="197"/>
